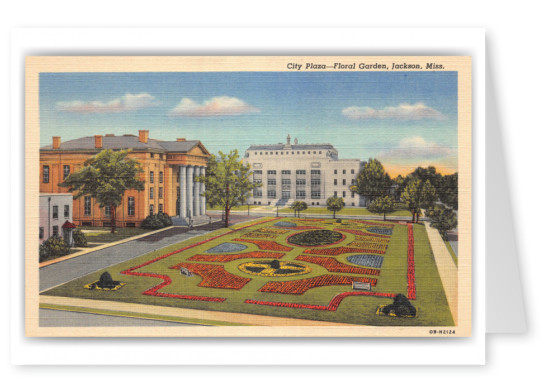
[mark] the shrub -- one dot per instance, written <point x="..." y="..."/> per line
<point x="400" y="307"/>
<point x="160" y="220"/>
<point x="53" y="247"/>
<point x="79" y="238"/>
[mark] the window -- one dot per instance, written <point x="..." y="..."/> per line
<point x="272" y="182"/>
<point x="344" y="181"/>
<point x="316" y="194"/>
<point x="87" y="206"/>
<point x="160" y="192"/>
<point x="301" y="194"/>
<point x="352" y="195"/>
<point x="257" y="180"/>
<point x="257" y="193"/>
<point x="151" y="193"/>
<point x="276" y="153"/>
<point x="257" y="172"/>
<point x="308" y="152"/>
<point x="301" y="181"/>
<point x="261" y="153"/>
<point x="160" y="208"/>
<point x="301" y="172"/>
<point x="66" y="211"/>
<point x="285" y="181"/>
<point x="41" y="233"/>
<point x="353" y="181"/>
<point x="335" y="194"/>
<point x="271" y="172"/>
<point x="353" y="204"/>
<point x="161" y="176"/>
<point x="46" y="174"/>
<point x="344" y="171"/>
<point x="271" y="153"/>
<point x="352" y="171"/>
<point x="54" y="212"/>
<point x="343" y="194"/>
<point x="335" y="172"/>
<point x="335" y="182"/>
<point x="66" y="171"/>
<point x="56" y="230"/>
<point x="151" y="177"/>
<point x="151" y="210"/>
<point x="271" y="194"/>
<point x="316" y="182"/>
<point x="152" y="155"/>
<point x="316" y="172"/>
<point x="286" y="172"/>
<point x="131" y="206"/>
<point x="256" y="153"/>
<point x="107" y="210"/>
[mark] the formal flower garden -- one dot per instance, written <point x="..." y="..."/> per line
<point x="287" y="267"/>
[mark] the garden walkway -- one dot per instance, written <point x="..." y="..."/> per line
<point x="446" y="269"/>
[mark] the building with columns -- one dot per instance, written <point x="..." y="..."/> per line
<point x="169" y="173"/>
<point x="307" y="172"/>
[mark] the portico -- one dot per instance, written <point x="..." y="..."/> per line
<point x="191" y="201"/>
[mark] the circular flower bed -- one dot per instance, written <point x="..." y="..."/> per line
<point x="274" y="268"/>
<point x="320" y="237"/>
<point x="226" y="248"/>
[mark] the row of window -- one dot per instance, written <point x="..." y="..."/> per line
<point x="46" y="173"/>
<point x="257" y="193"/>
<point x="131" y="204"/>
<point x="299" y="172"/>
<point x="287" y="153"/>
<point x="152" y="177"/>
<point x="152" y="193"/>
<point x="152" y="209"/>
<point x="55" y="211"/>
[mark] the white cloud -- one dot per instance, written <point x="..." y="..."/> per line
<point x="403" y="112"/>
<point x="215" y="107"/>
<point x="417" y="148"/>
<point x="128" y="102"/>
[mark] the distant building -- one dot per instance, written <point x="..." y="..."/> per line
<point x="170" y="168"/>
<point x="55" y="212"/>
<point x="307" y="172"/>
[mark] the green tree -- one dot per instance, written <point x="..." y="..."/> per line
<point x="227" y="182"/>
<point x="382" y="205"/>
<point x="372" y="181"/>
<point x="418" y="195"/>
<point x="448" y="191"/>
<point x="399" y="184"/>
<point x="443" y="219"/>
<point x="106" y="177"/>
<point x="334" y="204"/>
<point x="299" y="206"/>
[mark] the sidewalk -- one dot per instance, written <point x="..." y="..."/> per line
<point x="446" y="268"/>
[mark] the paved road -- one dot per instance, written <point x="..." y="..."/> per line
<point x="55" y="318"/>
<point x="59" y="273"/>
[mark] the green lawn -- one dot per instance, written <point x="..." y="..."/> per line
<point x="431" y="301"/>
<point x="104" y="235"/>
<point x="239" y="207"/>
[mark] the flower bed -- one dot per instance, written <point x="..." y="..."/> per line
<point x="265" y="244"/>
<point x="369" y="245"/>
<point x="268" y="269"/>
<point x="285" y="224"/>
<point x="227" y="248"/>
<point x="340" y="250"/>
<point x="388" y="225"/>
<point x="274" y="231"/>
<point x="260" y="235"/>
<point x="380" y="230"/>
<point x="361" y="233"/>
<point x="332" y="306"/>
<point x="322" y="237"/>
<point x="373" y="239"/>
<point x="368" y="260"/>
<point x="412" y="294"/>
<point x="298" y="287"/>
<point x="332" y="265"/>
<point x="233" y="257"/>
<point x="214" y="276"/>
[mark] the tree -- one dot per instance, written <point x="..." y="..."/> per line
<point x="106" y="177"/>
<point x="334" y="204"/>
<point x="447" y="192"/>
<point x="372" y="181"/>
<point x="443" y="219"/>
<point x="418" y="195"/>
<point x="299" y="206"/>
<point x="399" y="184"/>
<point x="227" y="182"/>
<point x="382" y="205"/>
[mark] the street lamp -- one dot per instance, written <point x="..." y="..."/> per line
<point x="248" y="209"/>
<point x="277" y="210"/>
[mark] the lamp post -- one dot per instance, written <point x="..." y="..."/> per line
<point x="277" y="210"/>
<point x="248" y="209"/>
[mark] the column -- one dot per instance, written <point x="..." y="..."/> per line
<point x="203" y="198"/>
<point x="183" y="188"/>
<point x="189" y="191"/>
<point x="196" y="211"/>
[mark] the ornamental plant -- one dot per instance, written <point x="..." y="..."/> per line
<point x="79" y="238"/>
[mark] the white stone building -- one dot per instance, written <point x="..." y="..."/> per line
<point x="55" y="209"/>
<point x="307" y="172"/>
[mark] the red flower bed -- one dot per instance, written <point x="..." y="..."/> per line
<point x="233" y="257"/>
<point x="154" y="291"/>
<point x="265" y="244"/>
<point x="369" y="245"/>
<point x="332" y="306"/>
<point x="332" y="265"/>
<point x="214" y="276"/>
<point x="340" y="250"/>
<point x="298" y="287"/>
<point x="412" y="294"/>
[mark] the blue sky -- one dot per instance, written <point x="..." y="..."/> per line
<point x="404" y="119"/>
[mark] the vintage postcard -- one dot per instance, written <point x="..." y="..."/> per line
<point x="297" y="196"/>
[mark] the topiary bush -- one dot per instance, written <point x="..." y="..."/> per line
<point x="79" y="238"/>
<point x="160" y="220"/>
<point x="53" y="247"/>
<point x="400" y="307"/>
